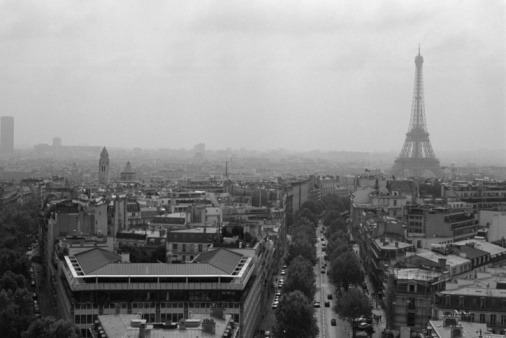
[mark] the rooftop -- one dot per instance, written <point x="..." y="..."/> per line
<point x="391" y="244"/>
<point x="98" y="262"/>
<point x="120" y="326"/>
<point x="451" y="260"/>
<point x="469" y="329"/>
<point x="485" y="246"/>
<point x="416" y="274"/>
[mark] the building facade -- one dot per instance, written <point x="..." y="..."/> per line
<point x="103" y="167"/>
<point x="6" y="134"/>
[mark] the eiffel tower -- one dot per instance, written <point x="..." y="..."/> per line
<point x="417" y="155"/>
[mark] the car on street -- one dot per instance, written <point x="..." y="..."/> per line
<point x="333" y="322"/>
<point x="283" y="272"/>
<point x="267" y="334"/>
<point x="363" y="326"/>
<point x="33" y="283"/>
<point x="278" y="294"/>
<point x="327" y="303"/>
<point x="316" y="304"/>
<point x="274" y="306"/>
<point x="323" y="270"/>
<point x="34" y="295"/>
<point x="329" y="296"/>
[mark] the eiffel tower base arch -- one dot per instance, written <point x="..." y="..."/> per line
<point x="415" y="167"/>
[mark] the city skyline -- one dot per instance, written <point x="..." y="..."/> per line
<point x="253" y="75"/>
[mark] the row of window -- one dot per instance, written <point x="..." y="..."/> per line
<point x="85" y="319"/>
<point x="175" y="247"/>
<point x="482" y="318"/>
<point x="482" y="302"/>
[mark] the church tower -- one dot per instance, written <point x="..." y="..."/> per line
<point x="103" y="168"/>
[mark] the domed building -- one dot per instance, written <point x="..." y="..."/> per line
<point x="128" y="175"/>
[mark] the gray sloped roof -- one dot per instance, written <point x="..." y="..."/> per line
<point x="222" y="259"/>
<point x="157" y="269"/>
<point x="95" y="259"/>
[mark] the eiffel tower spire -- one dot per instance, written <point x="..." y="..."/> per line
<point x="417" y="155"/>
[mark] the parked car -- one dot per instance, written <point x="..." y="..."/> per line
<point x="283" y="272"/>
<point x="333" y="322"/>
<point x="327" y="304"/>
<point x="316" y="304"/>
<point x="329" y="296"/>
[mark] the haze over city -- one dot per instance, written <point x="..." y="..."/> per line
<point x="298" y="75"/>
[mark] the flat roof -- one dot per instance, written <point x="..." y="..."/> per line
<point x="485" y="246"/>
<point x="391" y="244"/>
<point x="119" y="326"/>
<point x="451" y="260"/>
<point x="469" y="329"/>
<point x="416" y="274"/>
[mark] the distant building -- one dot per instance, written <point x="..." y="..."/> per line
<point x="56" y="142"/>
<point x="7" y="135"/>
<point x="199" y="150"/>
<point x="103" y="167"/>
<point x="128" y="174"/>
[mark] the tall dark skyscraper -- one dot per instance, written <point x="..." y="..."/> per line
<point x="417" y="155"/>
<point x="7" y="135"/>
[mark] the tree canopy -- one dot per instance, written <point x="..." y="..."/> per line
<point x="352" y="305"/>
<point x="49" y="327"/>
<point x="295" y="317"/>
<point x="301" y="246"/>
<point x="346" y="269"/>
<point x="300" y="276"/>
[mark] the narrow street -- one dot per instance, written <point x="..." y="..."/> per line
<point x="43" y="294"/>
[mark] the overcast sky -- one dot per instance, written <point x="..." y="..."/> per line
<point x="301" y="75"/>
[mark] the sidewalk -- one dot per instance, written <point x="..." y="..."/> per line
<point x="377" y="310"/>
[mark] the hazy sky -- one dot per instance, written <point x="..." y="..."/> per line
<point x="301" y="75"/>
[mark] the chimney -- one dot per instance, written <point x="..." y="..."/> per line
<point x="125" y="257"/>
<point x="142" y="330"/>
<point x="209" y="326"/>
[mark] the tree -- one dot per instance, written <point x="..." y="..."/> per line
<point x="295" y="317"/>
<point x="302" y="247"/>
<point x="308" y="214"/>
<point x="315" y="206"/>
<point x="330" y="216"/>
<point x="49" y="327"/>
<point x="300" y="276"/>
<point x="159" y="254"/>
<point x="15" y="312"/>
<point x="346" y="269"/>
<point x="352" y="305"/>
<point x="337" y="246"/>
